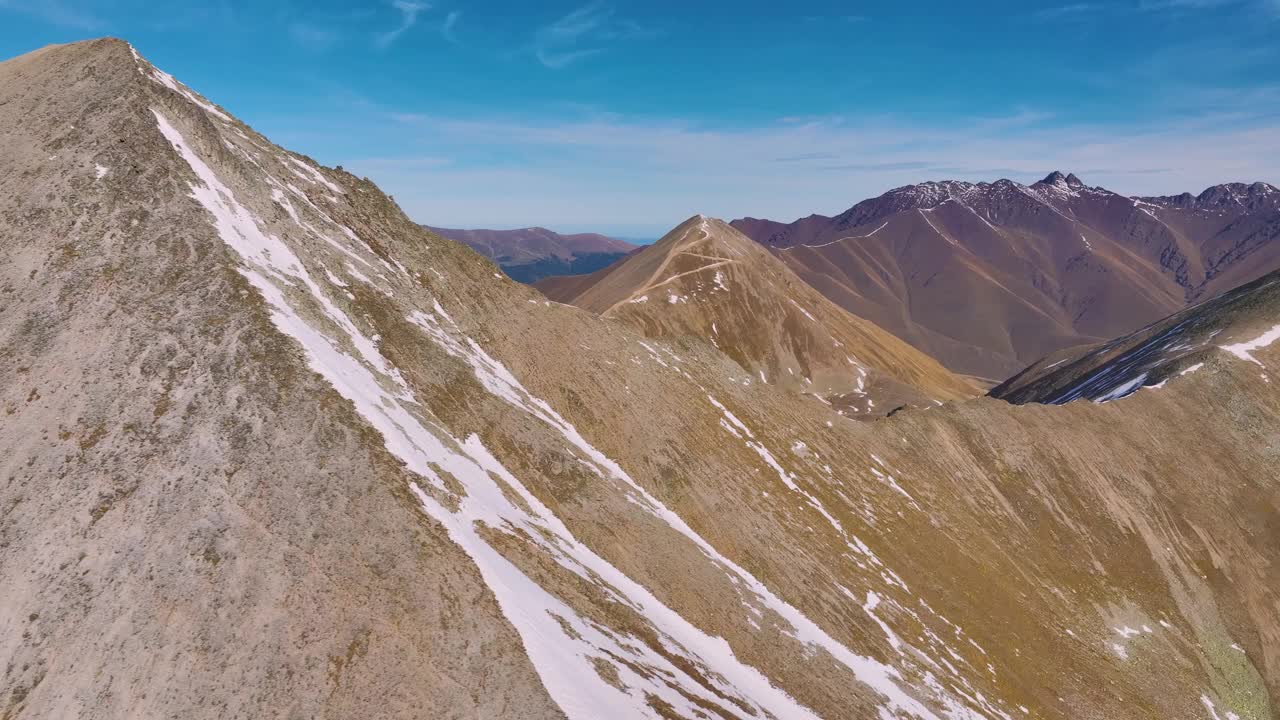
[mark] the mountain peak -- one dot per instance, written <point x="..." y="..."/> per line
<point x="110" y="54"/>
<point x="1058" y="178"/>
<point x="696" y="282"/>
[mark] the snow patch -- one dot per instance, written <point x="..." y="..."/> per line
<point x="873" y="601"/>
<point x="801" y="309"/>
<point x="168" y="81"/>
<point x="1213" y="710"/>
<point x="850" y="237"/>
<point x="1244" y="350"/>
<point x="314" y="175"/>
<point x="1126" y="388"/>
<point x="925" y="214"/>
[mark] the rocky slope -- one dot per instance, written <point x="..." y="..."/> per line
<point x="269" y="449"/>
<point x="705" y="279"/>
<point x="989" y="277"/>
<point x="530" y="254"/>
<point x="1237" y="322"/>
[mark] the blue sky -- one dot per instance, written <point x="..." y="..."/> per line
<point x="625" y="117"/>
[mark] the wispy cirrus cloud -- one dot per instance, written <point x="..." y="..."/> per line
<point x="409" y="12"/>
<point x="556" y="169"/>
<point x="1266" y="7"/>
<point x="404" y="162"/>
<point x="904" y="165"/>
<point x="1066" y="12"/>
<point x="586" y="31"/>
<point x="311" y="37"/>
<point x="833" y="18"/>
<point x="449" y="25"/>
<point x="1078" y="11"/>
<point x="57" y="12"/>
<point x="1186" y="4"/>
<point x="805" y="157"/>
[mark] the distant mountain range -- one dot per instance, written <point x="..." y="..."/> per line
<point x="532" y="253"/>
<point x="989" y="277"/>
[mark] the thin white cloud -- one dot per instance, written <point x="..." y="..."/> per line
<point x="311" y="37"/>
<point x="449" y="25"/>
<point x="555" y="171"/>
<point x="1185" y="4"/>
<point x="1064" y="12"/>
<point x="1269" y="7"/>
<point x="56" y="12"/>
<point x="409" y="11"/>
<point x="1174" y="8"/>
<point x="405" y="162"/>
<point x="584" y="32"/>
<point x="837" y="18"/>
<point x="558" y="60"/>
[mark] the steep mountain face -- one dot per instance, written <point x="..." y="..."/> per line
<point x="707" y="280"/>
<point x="1232" y="226"/>
<point x="269" y="449"/>
<point x="1238" y="322"/>
<point x="530" y="254"/>
<point x="990" y="277"/>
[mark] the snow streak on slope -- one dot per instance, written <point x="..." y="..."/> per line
<point x="498" y="380"/>
<point x="1126" y="374"/>
<point x="563" y="659"/>
<point x="1167" y="349"/>
<point x="732" y="424"/>
<point x="1244" y="350"/>
<point x="563" y="644"/>
<point x="168" y="81"/>
<point x="925" y="214"/>
<point x="850" y="237"/>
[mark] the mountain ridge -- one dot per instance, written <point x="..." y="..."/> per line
<point x="1173" y="347"/>
<point x="1042" y="267"/>
<point x="530" y="254"/>
<point x="704" y="278"/>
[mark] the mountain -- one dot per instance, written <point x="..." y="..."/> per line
<point x="1239" y="322"/>
<point x="707" y="280"/>
<point x="563" y="288"/>
<point x="270" y="449"/>
<point x="990" y="277"/>
<point x="530" y="254"/>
